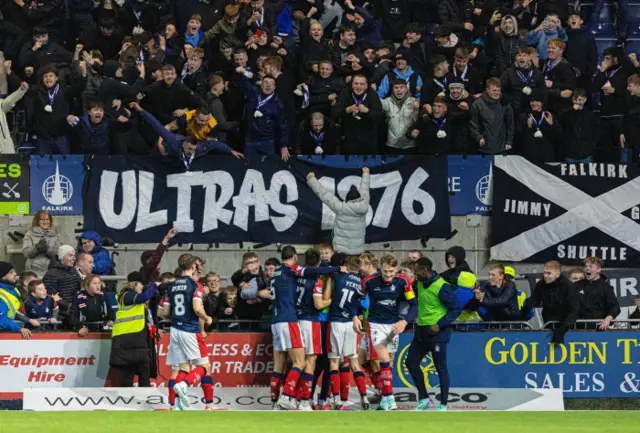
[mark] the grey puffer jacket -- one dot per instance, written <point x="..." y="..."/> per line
<point x="37" y="261"/>
<point x="350" y="225"/>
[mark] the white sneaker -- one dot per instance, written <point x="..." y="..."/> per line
<point x="392" y="403"/>
<point x="181" y="390"/>
<point x="286" y="403"/>
<point x="275" y="406"/>
<point x="305" y="406"/>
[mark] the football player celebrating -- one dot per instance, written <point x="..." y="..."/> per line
<point x="343" y="342"/>
<point x="287" y="338"/>
<point x="187" y="346"/>
<point x="386" y="291"/>
<point x="309" y="306"/>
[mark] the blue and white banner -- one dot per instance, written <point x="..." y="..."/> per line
<point x="470" y="184"/>
<point x="589" y="365"/>
<point x="565" y="212"/>
<point x="56" y="184"/>
<point x="228" y="200"/>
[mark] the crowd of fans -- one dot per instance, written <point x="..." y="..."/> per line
<point x="70" y="294"/>
<point x="311" y="77"/>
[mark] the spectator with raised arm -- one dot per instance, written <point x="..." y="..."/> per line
<point x="6" y="104"/>
<point x="151" y="259"/>
<point x="265" y="119"/>
<point x="186" y="147"/>
<point x="351" y="214"/>
<point x="40" y="243"/>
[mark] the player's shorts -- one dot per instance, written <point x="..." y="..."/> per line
<point x="311" y="337"/>
<point x="186" y="348"/>
<point x="364" y="345"/>
<point x="378" y="333"/>
<point x="286" y="335"/>
<point x="343" y="340"/>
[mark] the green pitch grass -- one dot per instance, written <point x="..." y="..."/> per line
<point x="326" y="422"/>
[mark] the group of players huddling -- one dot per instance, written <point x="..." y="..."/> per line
<point x="310" y="306"/>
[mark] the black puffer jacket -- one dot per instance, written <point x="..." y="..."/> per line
<point x="501" y="303"/>
<point x="451" y="275"/>
<point x="64" y="281"/>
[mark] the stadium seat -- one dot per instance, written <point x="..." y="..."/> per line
<point x="633" y="19"/>
<point x="606" y="25"/>
<point x="633" y="46"/>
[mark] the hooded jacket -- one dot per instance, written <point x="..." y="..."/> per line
<point x="38" y="261"/>
<point x="493" y="121"/>
<point x="596" y="299"/>
<point x="451" y="275"/>
<point x="101" y="259"/>
<point x="504" y="46"/>
<point x="351" y="216"/>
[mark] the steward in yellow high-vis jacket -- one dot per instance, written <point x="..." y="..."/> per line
<point x="10" y="301"/>
<point x="132" y="338"/>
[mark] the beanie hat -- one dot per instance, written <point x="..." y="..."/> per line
<point x="64" y="250"/>
<point x="5" y="268"/>
<point x="353" y="194"/>
<point x="467" y="280"/>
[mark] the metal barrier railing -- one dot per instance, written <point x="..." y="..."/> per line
<point x="592" y="324"/>
<point x="478" y="325"/>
